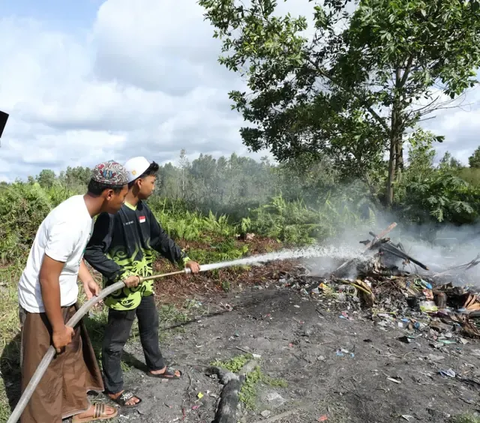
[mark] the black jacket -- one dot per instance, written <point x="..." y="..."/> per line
<point x="122" y="244"/>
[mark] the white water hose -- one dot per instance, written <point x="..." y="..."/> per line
<point x="48" y="357"/>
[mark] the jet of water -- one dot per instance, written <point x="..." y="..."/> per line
<point x="310" y="252"/>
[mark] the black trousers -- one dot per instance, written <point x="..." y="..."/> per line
<point x="116" y="335"/>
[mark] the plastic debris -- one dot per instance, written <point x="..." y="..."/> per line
<point x="447" y="373"/>
<point x="342" y="352"/>
<point x="428" y="306"/>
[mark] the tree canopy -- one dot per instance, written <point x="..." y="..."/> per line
<point x="474" y="159"/>
<point x="368" y="74"/>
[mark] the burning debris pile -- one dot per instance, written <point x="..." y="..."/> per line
<point x="397" y="290"/>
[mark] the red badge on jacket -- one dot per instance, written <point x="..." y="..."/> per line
<point x="141" y="219"/>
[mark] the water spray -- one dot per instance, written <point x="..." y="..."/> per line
<point x="265" y="258"/>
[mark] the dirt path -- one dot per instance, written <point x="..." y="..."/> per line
<point x="298" y="340"/>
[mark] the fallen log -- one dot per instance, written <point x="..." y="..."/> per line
<point x="229" y="398"/>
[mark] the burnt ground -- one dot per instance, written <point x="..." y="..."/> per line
<point x="298" y="339"/>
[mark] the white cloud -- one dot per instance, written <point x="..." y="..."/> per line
<point x="460" y="125"/>
<point x="143" y="80"/>
<point x="157" y="45"/>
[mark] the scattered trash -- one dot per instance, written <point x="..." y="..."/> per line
<point x="323" y="418"/>
<point x="226" y="306"/>
<point x="446" y="341"/>
<point x="435" y="358"/>
<point x="428" y="306"/>
<point x="447" y="373"/>
<point x="342" y="352"/>
<point x="345" y="315"/>
<point x="395" y="294"/>
<point x="199" y="395"/>
<point x="265" y="413"/>
<point x="407" y="417"/>
<point x="394" y="379"/>
<point x="275" y="399"/>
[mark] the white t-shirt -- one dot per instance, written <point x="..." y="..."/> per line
<point x="63" y="236"/>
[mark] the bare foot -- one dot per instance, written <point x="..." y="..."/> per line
<point x="132" y="401"/>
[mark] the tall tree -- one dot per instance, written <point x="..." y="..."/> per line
<point x="184" y="166"/>
<point x="76" y="176"/>
<point x="474" y="159"/>
<point x="372" y="70"/>
<point x="449" y="162"/>
<point x="46" y="178"/>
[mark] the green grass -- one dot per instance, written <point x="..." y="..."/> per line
<point x="95" y="323"/>
<point x="250" y="388"/>
<point x="465" y="418"/>
<point x="213" y="238"/>
<point x="9" y="337"/>
<point x="235" y="364"/>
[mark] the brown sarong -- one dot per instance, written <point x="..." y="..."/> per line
<point x="62" y="391"/>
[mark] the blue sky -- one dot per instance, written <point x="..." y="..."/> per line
<point x="90" y="80"/>
<point x="59" y="14"/>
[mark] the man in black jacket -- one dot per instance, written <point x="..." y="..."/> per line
<point x="122" y="247"/>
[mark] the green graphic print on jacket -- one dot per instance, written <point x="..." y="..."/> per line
<point x="122" y="245"/>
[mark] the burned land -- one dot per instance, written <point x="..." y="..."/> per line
<point x="297" y="345"/>
<point x="293" y="343"/>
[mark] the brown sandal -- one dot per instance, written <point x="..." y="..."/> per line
<point x="167" y="374"/>
<point x="99" y="413"/>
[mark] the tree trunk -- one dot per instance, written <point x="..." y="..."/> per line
<point x="392" y="165"/>
<point x="399" y="158"/>
<point x="395" y="162"/>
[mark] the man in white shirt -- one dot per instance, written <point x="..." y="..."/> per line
<point x="48" y="293"/>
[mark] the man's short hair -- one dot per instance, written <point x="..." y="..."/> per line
<point x="97" y="188"/>
<point x="151" y="171"/>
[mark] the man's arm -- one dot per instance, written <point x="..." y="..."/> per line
<point x="167" y="247"/>
<point x="97" y="248"/>
<point x="90" y="286"/>
<point x="161" y="242"/>
<point x="50" y="284"/>
<point x="60" y="245"/>
<point x="96" y="253"/>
